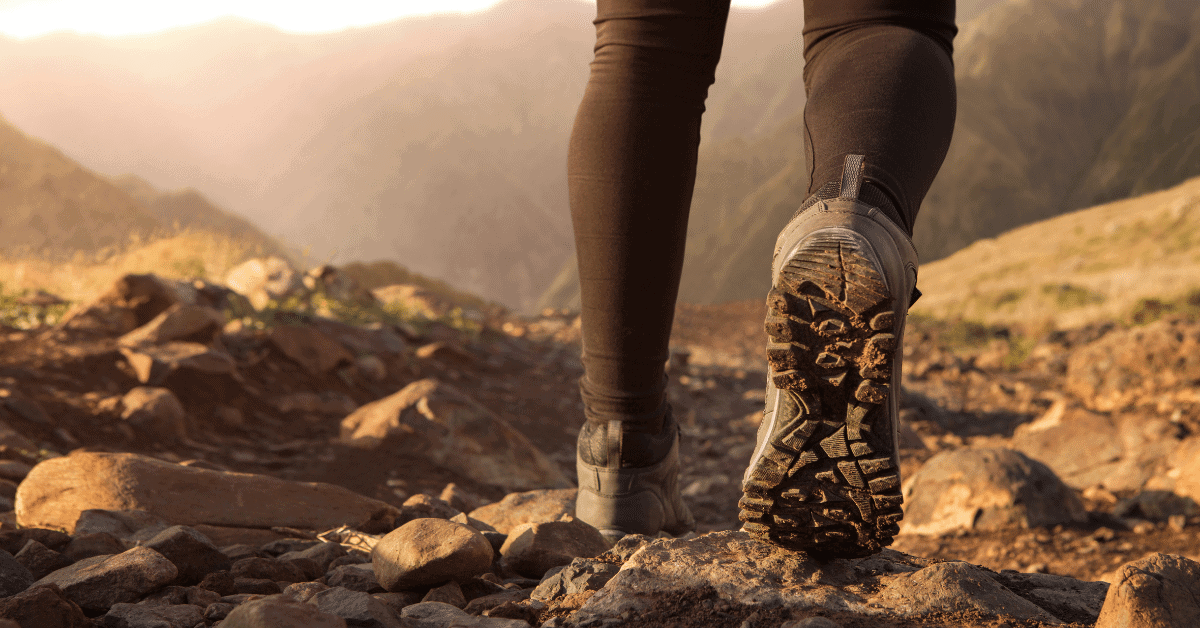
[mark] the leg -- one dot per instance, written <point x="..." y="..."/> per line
<point x="824" y="477"/>
<point x="631" y="170"/>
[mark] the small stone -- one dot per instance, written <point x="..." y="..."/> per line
<point x="811" y="622"/>
<point x="314" y="351"/>
<point x="168" y="595"/>
<point x="220" y="582"/>
<point x="528" y="507"/>
<point x="479" y="587"/>
<point x="322" y="554"/>
<point x="14" y="576"/>
<point x="1157" y="591"/>
<point x="43" y="607"/>
<point x="303" y="591"/>
<point x="147" y="616"/>
<point x="12" y="541"/>
<point x="485" y="603"/>
<point x="265" y="568"/>
<point x="217" y="611"/>
<point x="533" y="549"/>
<point x="94" y="544"/>
<point x="192" y="553"/>
<point x="464" y="519"/>
<point x="356" y="608"/>
<point x="426" y="552"/>
<point x="398" y="601"/>
<point x="182" y="321"/>
<point x="96" y="583"/>
<point x="460" y="498"/>
<point x="280" y="611"/>
<point x="239" y="551"/>
<point x="628" y="545"/>
<point x="40" y="560"/>
<point x="581" y="575"/>
<point x="422" y="506"/>
<point x="154" y="413"/>
<point x="359" y="577"/>
<point x="202" y="597"/>
<point x="450" y="593"/>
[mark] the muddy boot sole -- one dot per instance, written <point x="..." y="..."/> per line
<point x="826" y="480"/>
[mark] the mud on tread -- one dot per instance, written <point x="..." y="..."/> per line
<point x="828" y="482"/>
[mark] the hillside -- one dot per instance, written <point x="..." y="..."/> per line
<point x="1083" y="267"/>
<point x="54" y="207"/>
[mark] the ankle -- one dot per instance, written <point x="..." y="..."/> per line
<point x="631" y="444"/>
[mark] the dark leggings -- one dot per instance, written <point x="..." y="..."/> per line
<point x="880" y="83"/>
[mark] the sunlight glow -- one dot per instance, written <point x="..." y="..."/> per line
<point x="31" y="18"/>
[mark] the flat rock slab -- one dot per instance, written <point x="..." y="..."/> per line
<point x="725" y="570"/>
<point x="59" y="489"/>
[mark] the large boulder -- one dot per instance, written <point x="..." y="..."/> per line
<point x="1158" y="591"/>
<point x="262" y="280"/>
<point x="59" y="489"/>
<point x="437" y="421"/>
<point x="986" y="489"/>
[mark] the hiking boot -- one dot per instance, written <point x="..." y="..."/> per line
<point x="825" y="476"/>
<point x="629" y="481"/>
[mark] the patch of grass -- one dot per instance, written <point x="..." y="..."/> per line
<point x="1005" y="298"/>
<point x="17" y="312"/>
<point x="1068" y="296"/>
<point x="302" y="308"/>
<point x="1146" y="311"/>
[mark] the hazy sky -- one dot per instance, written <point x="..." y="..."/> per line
<point x="30" y="18"/>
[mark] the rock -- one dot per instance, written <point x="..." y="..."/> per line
<point x="265" y="569"/>
<point x="262" y="280"/>
<point x="811" y="622"/>
<point x="43" y="607"/>
<point x="280" y="611"/>
<point x="487" y="584"/>
<point x="1066" y="598"/>
<point x="40" y="560"/>
<point x="515" y="509"/>
<point x="580" y="576"/>
<point x="986" y="489"/>
<point x="1124" y="366"/>
<point x="464" y="519"/>
<point x="440" y="614"/>
<point x="356" y="608"/>
<point x="422" y="506"/>
<point x="485" y="603"/>
<point x="220" y="582"/>
<point x="8" y="436"/>
<point x="12" y="541"/>
<point x="533" y="549"/>
<point x="172" y="362"/>
<point x="309" y="348"/>
<point x="373" y="338"/>
<point x="322" y="554"/>
<point x="122" y="524"/>
<point x="303" y="591"/>
<point x="223" y="536"/>
<point x="59" y="489"/>
<point x="355" y="577"/>
<point x="132" y="301"/>
<point x="217" y="611"/>
<point x="94" y="544"/>
<point x="956" y="587"/>
<point x="335" y="284"/>
<point x="434" y="420"/>
<point x="415" y="299"/>
<point x="96" y="583"/>
<point x="1183" y="474"/>
<point x="460" y="498"/>
<point x="426" y="552"/>
<point x="181" y="321"/>
<point x="13" y="470"/>
<point x="629" y="544"/>
<point x="1059" y="436"/>
<point x="372" y="367"/>
<point x="1158" y="591"/>
<point x="14" y="576"/>
<point x="450" y="593"/>
<point x="154" y="413"/>
<point x="144" y="616"/>
<point x="192" y="553"/>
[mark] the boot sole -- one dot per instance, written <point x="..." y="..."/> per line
<point x="827" y="481"/>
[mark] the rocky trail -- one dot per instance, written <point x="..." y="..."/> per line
<point x="178" y="454"/>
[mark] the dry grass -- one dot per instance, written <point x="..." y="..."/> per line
<point x="192" y="254"/>
<point x="1091" y="265"/>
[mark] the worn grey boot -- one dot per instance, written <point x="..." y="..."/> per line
<point x="824" y="477"/>
<point x="629" y="482"/>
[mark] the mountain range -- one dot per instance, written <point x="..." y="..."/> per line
<point x="440" y="142"/>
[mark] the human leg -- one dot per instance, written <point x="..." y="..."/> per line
<point x="824" y="477"/>
<point x="631" y="170"/>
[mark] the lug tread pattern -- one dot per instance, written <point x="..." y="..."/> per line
<point x="828" y="480"/>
